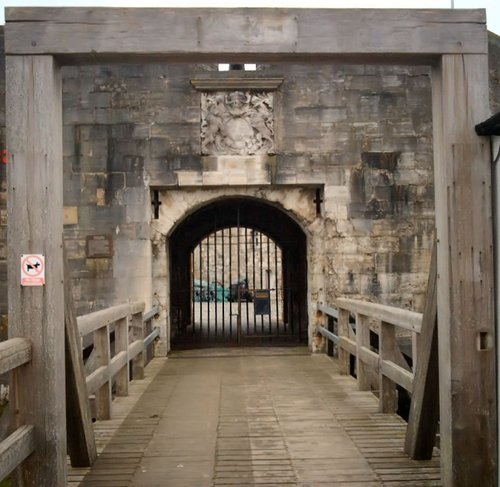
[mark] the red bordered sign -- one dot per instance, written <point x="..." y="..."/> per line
<point x="32" y="270"/>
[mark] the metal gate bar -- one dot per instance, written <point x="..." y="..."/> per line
<point x="224" y="282"/>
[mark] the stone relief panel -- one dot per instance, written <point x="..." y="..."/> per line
<point x="238" y="122"/>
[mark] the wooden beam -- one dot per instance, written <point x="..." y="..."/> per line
<point x="81" y="441"/>
<point x="467" y="385"/>
<point x="362" y="341"/>
<point x="397" y="374"/>
<point x="388" y="393"/>
<point x="34" y="143"/>
<point x="409" y="320"/>
<point x="93" y="321"/>
<point x="343" y="329"/>
<point x="15" y="449"/>
<point x="103" y="397"/>
<point x="121" y="347"/>
<point x="273" y="32"/>
<point x="13" y="353"/>
<point x="424" y="409"/>
<point x="369" y="358"/>
<point x="137" y="335"/>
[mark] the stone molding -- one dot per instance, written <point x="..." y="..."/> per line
<point x="230" y="84"/>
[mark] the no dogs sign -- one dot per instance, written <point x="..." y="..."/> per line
<point x="32" y="270"/>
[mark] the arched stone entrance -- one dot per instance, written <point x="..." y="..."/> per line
<point x="242" y="215"/>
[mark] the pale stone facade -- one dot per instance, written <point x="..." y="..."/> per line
<point x="360" y="134"/>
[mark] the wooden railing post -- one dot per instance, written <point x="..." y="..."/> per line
<point x="121" y="346"/>
<point x="103" y="394"/>
<point x="137" y="333"/>
<point x="330" y="346"/>
<point x="148" y="328"/>
<point x="344" y="356"/>
<point x="362" y="340"/>
<point x="388" y="393"/>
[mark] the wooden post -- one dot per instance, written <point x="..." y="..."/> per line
<point x="34" y="144"/>
<point x="467" y="385"/>
<point x="362" y="340"/>
<point x="330" y="346"/>
<point x="121" y="345"/>
<point x="147" y="329"/>
<point x="424" y="410"/>
<point x="388" y="393"/>
<point x="81" y="441"/>
<point x="103" y="396"/>
<point x="344" y="355"/>
<point x="137" y="333"/>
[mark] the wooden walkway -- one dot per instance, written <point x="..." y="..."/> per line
<point x="266" y="417"/>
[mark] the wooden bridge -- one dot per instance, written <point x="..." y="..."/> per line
<point x="240" y="416"/>
<point x="281" y="411"/>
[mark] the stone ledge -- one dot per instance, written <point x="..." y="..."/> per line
<point x="249" y="84"/>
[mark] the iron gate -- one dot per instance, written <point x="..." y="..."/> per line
<point x="238" y="275"/>
<point x="237" y="287"/>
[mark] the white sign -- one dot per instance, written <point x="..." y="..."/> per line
<point x="32" y="270"/>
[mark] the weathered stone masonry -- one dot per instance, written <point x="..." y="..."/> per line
<point x="362" y="134"/>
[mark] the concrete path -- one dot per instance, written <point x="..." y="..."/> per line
<point x="267" y="417"/>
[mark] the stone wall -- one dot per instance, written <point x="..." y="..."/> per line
<point x="360" y="134"/>
<point x="494" y="65"/>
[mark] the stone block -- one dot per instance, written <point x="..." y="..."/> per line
<point x="103" y="219"/>
<point x="75" y="248"/>
<point x="380" y="160"/>
<point x="70" y="215"/>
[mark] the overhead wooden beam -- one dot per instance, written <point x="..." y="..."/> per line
<point x="35" y="208"/>
<point x="467" y="378"/>
<point x="115" y="32"/>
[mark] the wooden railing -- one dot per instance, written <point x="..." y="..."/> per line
<point x="346" y="339"/>
<point x="19" y="445"/>
<point x="133" y="342"/>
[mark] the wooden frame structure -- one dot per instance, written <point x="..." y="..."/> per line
<point x="39" y="40"/>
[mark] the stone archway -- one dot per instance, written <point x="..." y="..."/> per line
<point x="248" y="213"/>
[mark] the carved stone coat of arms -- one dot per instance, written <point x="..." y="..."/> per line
<point x="237" y="122"/>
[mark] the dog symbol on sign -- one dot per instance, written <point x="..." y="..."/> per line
<point x="32" y="270"/>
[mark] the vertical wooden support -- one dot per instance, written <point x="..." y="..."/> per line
<point x="137" y="333"/>
<point x="103" y="396"/>
<point x="34" y="143"/>
<point x="415" y="343"/>
<point x="362" y="340"/>
<point x="462" y="174"/>
<point x="81" y="441"/>
<point x="147" y="329"/>
<point x="329" y="344"/>
<point x="121" y="346"/>
<point x="344" y="356"/>
<point x="388" y="393"/>
<point x="424" y="409"/>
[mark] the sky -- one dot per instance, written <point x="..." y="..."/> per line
<point x="492" y="6"/>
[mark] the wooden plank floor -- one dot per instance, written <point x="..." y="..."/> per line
<point x="251" y="417"/>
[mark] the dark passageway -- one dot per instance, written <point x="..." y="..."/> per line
<point x="225" y="255"/>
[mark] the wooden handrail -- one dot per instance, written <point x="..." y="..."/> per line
<point x="402" y="318"/>
<point x="134" y="335"/>
<point x="153" y="312"/>
<point x="14" y="449"/>
<point x="126" y="319"/>
<point x="14" y="353"/>
<point x="94" y="321"/>
<point x="385" y="362"/>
